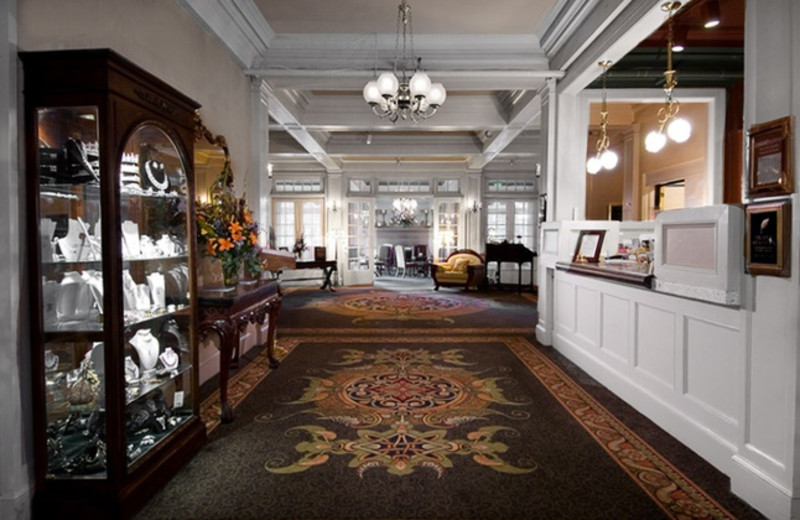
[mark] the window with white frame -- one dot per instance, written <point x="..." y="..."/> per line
<point x="448" y="186"/>
<point x="294" y="218"/>
<point x="404" y="186"/>
<point x="511" y="220"/>
<point x="310" y="185"/>
<point x="510" y="186"/>
<point x="496" y="214"/>
<point x="359" y="186"/>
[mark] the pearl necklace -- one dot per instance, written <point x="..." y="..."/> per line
<point x="159" y="185"/>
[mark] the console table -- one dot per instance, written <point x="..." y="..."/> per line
<point x="228" y="313"/>
<point x="328" y="268"/>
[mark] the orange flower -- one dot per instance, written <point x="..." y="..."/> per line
<point x="225" y="244"/>
<point x="235" y="228"/>
<point x="254" y="239"/>
<point x="211" y="246"/>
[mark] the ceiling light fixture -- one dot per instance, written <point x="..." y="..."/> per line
<point x="678" y="129"/>
<point x="679" y="38"/>
<point x="605" y="158"/>
<point x="394" y="94"/>
<point x="710" y="13"/>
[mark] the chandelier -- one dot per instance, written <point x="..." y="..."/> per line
<point x="605" y="158"/>
<point x="405" y="210"/>
<point x="678" y="129"/>
<point x="394" y="94"/>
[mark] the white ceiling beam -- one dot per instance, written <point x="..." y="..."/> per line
<point x="287" y="120"/>
<point x="238" y="24"/>
<point x="525" y="113"/>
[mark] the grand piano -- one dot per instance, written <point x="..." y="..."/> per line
<point x="511" y="253"/>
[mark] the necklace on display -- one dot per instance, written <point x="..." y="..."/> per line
<point x="160" y="185"/>
<point x="169" y="358"/>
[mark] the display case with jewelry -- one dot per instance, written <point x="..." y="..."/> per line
<point x="114" y="341"/>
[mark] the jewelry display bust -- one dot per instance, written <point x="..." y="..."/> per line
<point x="147" y="347"/>
<point x="170" y="359"/>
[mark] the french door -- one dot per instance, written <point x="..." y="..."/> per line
<point x="359" y="259"/>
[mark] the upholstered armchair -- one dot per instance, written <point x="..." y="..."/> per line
<point x="463" y="268"/>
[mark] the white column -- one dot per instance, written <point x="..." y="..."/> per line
<point x="473" y="193"/>
<point x="16" y="431"/>
<point x="258" y="182"/>
<point x="767" y="465"/>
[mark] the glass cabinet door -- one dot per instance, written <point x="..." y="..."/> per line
<point x="155" y="288"/>
<point x="71" y="254"/>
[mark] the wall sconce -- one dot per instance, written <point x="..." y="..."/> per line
<point x="476" y="206"/>
<point x="604" y="158"/>
<point x="269" y="170"/>
<point x="333" y="205"/>
<point x="678" y="129"/>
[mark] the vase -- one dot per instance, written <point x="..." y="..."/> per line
<point x="230" y="275"/>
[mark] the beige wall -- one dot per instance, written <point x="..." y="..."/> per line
<point x="160" y="37"/>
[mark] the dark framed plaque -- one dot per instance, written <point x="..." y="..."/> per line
<point x="590" y="243"/>
<point x="768" y="238"/>
<point x="770" y="168"/>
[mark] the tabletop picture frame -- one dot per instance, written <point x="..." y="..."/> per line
<point x="589" y="246"/>
<point x="770" y="166"/>
<point x="768" y="238"/>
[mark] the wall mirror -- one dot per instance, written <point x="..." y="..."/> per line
<point x="210" y="155"/>
<point x="636" y="182"/>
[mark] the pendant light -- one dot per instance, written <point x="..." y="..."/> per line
<point x="677" y="129"/>
<point x="604" y="158"/>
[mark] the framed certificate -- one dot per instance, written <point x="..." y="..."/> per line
<point x="770" y="168"/>
<point x="768" y="238"/>
<point x="590" y="243"/>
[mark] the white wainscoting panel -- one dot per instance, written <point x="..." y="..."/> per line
<point x="655" y="343"/>
<point x="616" y="328"/>
<point x="565" y="306"/>
<point x="714" y="349"/>
<point x="587" y="316"/>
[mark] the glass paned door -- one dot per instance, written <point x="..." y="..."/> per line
<point x="360" y="256"/>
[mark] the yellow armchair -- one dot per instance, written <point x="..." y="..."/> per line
<point x="463" y="268"/>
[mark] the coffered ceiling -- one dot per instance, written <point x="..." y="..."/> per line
<point x="493" y="58"/>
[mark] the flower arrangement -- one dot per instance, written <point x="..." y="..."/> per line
<point x="226" y="229"/>
<point x="299" y="246"/>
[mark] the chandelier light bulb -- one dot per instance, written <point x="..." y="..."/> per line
<point x="593" y="165"/>
<point x="388" y="84"/>
<point x="371" y="92"/>
<point x="420" y="84"/>
<point x="655" y="141"/>
<point x="679" y="130"/>
<point x="609" y="159"/>
<point x="437" y="94"/>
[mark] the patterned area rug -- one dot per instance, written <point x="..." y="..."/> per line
<point x="436" y="427"/>
<point x="418" y="311"/>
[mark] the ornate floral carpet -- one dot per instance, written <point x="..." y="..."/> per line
<point x="417" y="311"/>
<point x="430" y="406"/>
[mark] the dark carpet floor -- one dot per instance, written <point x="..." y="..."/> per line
<point x="553" y="467"/>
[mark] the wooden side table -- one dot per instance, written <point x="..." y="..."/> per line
<point x="228" y="313"/>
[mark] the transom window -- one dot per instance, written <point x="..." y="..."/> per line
<point x="298" y="186"/>
<point x="510" y="186"/>
<point x="404" y="186"/>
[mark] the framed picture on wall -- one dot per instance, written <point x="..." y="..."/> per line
<point x="770" y="168"/>
<point x="590" y="243"/>
<point x="768" y="238"/>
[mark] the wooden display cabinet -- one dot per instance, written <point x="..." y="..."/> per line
<point x="113" y="292"/>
